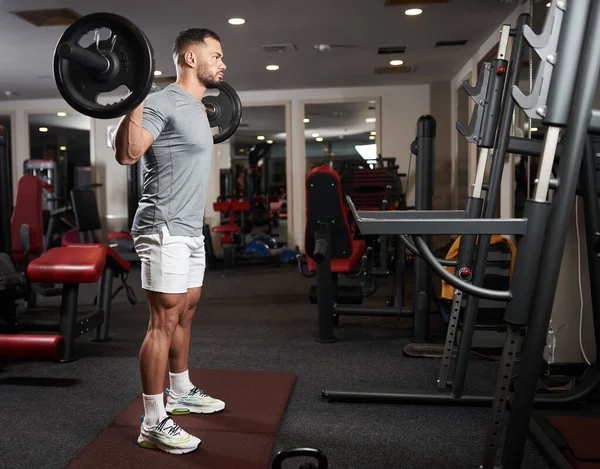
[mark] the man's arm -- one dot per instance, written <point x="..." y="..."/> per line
<point x="130" y="141"/>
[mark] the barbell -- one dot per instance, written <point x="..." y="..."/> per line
<point x="126" y="58"/>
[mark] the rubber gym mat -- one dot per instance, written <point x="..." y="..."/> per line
<point x="240" y="436"/>
<point x="577" y="464"/>
<point x="116" y="448"/>
<point x="254" y="401"/>
<point x="581" y="433"/>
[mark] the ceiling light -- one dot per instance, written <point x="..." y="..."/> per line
<point x="270" y="142"/>
<point x="396" y="62"/>
<point x="548" y="5"/>
<point x="372" y="137"/>
<point x="534" y="129"/>
<point x="157" y="73"/>
<point x="315" y="135"/>
<point x="306" y="121"/>
<point x="413" y="12"/>
<point x="62" y="148"/>
<point x="260" y="137"/>
<point x="373" y="133"/>
<point x="370" y="120"/>
<point x="61" y="114"/>
<point x="319" y="139"/>
<point x="43" y="129"/>
<point x="236" y="21"/>
<point x="272" y="67"/>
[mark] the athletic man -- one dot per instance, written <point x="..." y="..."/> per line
<point x="171" y="135"/>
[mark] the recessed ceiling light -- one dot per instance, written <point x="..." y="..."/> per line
<point x="413" y="12"/>
<point x="534" y="129"/>
<point x="260" y="137"/>
<point x="61" y="114"/>
<point x="43" y="129"/>
<point x="272" y="67"/>
<point x="396" y="62"/>
<point x="157" y="73"/>
<point x="373" y="133"/>
<point x="306" y="121"/>
<point x="315" y="135"/>
<point x="62" y="148"/>
<point x="236" y="21"/>
<point x="270" y="142"/>
<point x="319" y="139"/>
<point x="370" y="120"/>
<point x="548" y="5"/>
<point x="372" y="137"/>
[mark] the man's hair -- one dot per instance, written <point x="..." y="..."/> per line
<point x="191" y="36"/>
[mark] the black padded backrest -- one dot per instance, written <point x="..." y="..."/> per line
<point x="85" y="209"/>
<point x="324" y="204"/>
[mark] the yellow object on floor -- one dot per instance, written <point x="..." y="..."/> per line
<point x="447" y="289"/>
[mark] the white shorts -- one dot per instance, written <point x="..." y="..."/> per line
<point x="170" y="264"/>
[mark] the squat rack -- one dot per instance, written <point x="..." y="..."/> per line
<point x="568" y="48"/>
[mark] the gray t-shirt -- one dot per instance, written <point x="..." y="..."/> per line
<point x="176" y="167"/>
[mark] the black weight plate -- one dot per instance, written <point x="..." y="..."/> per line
<point x="80" y="87"/>
<point x="227" y="111"/>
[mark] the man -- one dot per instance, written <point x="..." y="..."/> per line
<point x="171" y="135"/>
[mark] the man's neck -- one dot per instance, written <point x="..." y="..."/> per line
<point x="192" y="86"/>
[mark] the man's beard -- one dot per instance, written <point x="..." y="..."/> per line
<point x="206" y="78"/>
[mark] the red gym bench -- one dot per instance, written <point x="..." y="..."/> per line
<point x="72" y="266"/>
<point x="330" y="247"/>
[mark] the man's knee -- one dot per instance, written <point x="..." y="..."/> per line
<point x="165" y="310"/>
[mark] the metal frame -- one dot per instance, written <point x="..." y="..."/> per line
<point x="564" y="101"/>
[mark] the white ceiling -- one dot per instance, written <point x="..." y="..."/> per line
<point x="26" y="63"/>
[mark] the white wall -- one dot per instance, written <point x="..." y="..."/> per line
<point x="400" y="107"/>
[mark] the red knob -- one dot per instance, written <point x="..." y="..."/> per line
<point x="465" y="273"/>
<point x="501" y="70"/>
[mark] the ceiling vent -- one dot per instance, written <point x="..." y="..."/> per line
<point x="391" y="50"/>
<point x="460" y="42"/>
<point x="393" y="3"/>
<point x="50" y="17"/>
<point x="394" y="70"/>
<point x="279" y="48"/>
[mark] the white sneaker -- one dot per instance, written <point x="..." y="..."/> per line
<point x="196" y="401"/>
<point x="167" y="436"/>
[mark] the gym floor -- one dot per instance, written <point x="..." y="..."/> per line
<point x="254" y="318"/>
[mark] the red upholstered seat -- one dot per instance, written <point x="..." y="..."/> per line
<point x="324" y="202"/>
<point x="226" y="229"/>
<point x="28" y="211"/>
<point x="68" y="265"/>
<point x="119" y="235"/>
<point x="113" y="259"/>
<point x="343" y="264"/>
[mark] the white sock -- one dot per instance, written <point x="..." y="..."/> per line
<point x="154" y="409"/>
<point x="180" y="382"/>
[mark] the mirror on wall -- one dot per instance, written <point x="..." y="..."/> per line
<point x="343" y="134"/>
<point x="59" y="150"/>
<point x="256" y="169"/>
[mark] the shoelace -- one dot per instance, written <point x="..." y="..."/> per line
<point x="195" y="391"/>
<point x="172" y="430"/>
